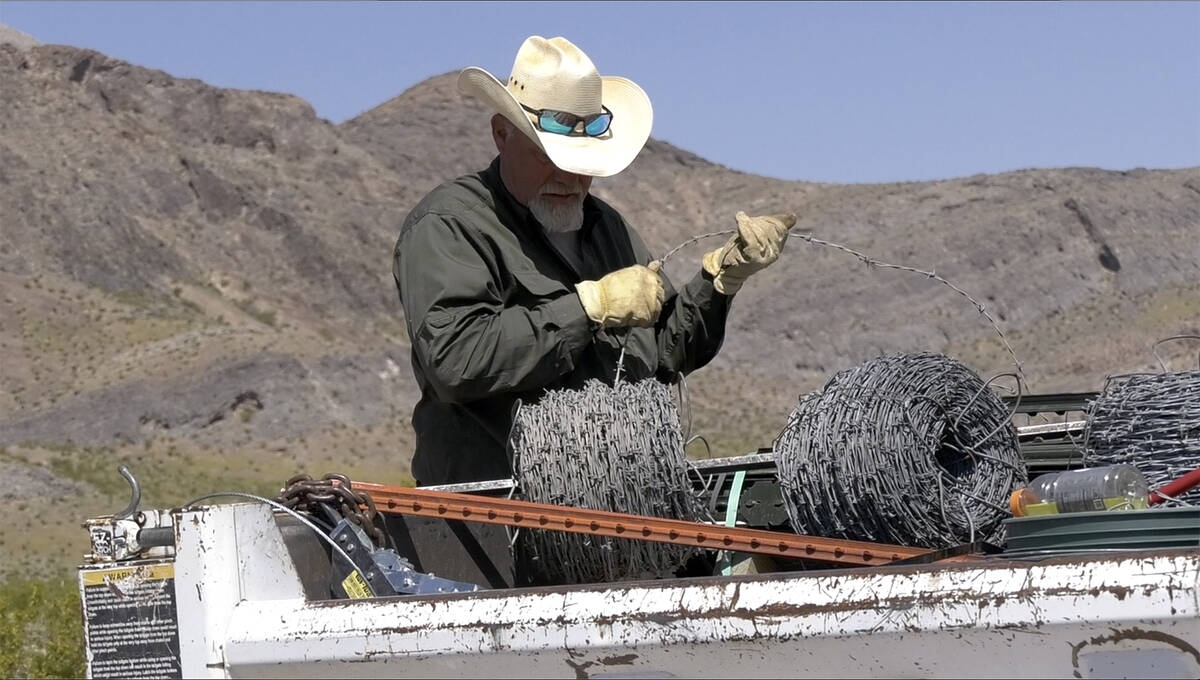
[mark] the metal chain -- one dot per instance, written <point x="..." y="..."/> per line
<point x="603" y="448"/>
<point x="302" y="492"/>
<point x="912" y="449"/>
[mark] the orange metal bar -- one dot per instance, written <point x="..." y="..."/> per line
<point x="427" y="503"/>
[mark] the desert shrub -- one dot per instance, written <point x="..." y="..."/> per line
<point x="41" y="629"/>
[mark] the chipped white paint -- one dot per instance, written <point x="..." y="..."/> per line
<point x="224" y="555"/>
<point x="1105" y="616"/>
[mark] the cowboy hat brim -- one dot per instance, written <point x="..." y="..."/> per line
<point x="601" y="156"/>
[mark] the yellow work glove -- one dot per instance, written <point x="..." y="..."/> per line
<point x="632" y="296"/>
<point x="757" y="244"/>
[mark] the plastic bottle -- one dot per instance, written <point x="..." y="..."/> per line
<point x="1112" y="487"/>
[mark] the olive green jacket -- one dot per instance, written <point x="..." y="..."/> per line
<point x="493" y="317"/>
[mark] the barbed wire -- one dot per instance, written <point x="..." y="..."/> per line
<point x="603" y="448"/>
<point x="694" y="239"/>
<point x="620" y="448"/>
<point x="1150" y="421"/>
<point x="912" y="449"/>
<point x="872" y="262"/>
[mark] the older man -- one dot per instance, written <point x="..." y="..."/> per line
<point x="515" y="279"/>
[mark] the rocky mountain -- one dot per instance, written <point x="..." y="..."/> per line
<point x="18" y="39"/>
<point x="196" y="280"/>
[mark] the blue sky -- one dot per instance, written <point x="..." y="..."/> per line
<point x="834" y="92"/>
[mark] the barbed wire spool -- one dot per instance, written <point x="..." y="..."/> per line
<point x="1150" y="421"/>
<point x="602" y="448"/>
<point x="913" y="449"/>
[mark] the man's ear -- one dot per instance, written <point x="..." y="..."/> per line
<point x="501" y="131"/>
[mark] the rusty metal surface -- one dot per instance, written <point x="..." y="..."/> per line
<point x="422" y="502"/>
<point x="302" y="492"/>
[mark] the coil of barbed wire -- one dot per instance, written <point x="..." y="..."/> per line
<point x="913" y="449"/>
<point x="1150" y="421"/>
<point x="602" y="448"/>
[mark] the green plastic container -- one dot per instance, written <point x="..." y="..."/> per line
<point x="1122" y="530"/>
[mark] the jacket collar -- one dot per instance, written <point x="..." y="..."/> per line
<point x="505" y="202"/>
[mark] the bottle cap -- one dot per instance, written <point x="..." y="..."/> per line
<point x="1014" y="502"/>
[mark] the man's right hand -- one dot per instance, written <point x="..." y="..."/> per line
<point x="632" y="296"/>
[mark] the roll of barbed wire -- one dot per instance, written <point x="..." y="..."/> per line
<point x="602" y="448"/>
<point x="913" y="449"/>
<point x="1150" y="421"/>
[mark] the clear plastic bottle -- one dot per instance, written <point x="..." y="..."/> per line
<point x="1112" y="487"/>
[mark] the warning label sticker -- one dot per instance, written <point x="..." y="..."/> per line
<point x="355" y="586"/>
<point x="131" y="621"/>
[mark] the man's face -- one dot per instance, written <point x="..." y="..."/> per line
<point x="554" y="196"/>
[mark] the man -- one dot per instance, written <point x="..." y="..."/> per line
<point x="515" y="280"/>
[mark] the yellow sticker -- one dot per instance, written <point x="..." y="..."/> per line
<point x="1123" y="503"/>
<point x="355" y="586"/>
<point x="147" y="572"/>
<point x="1034" y="509"/>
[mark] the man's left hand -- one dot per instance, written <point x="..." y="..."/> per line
<point x="756" y="245"/>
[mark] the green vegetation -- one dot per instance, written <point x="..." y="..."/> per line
<point x="167" y="480"/>
<point x="139" y="299"/>
<point x="158" y="303"/>
<point x="40" y="622"/>
<point x="41" y="631"/>
<point x="263" y="316"/>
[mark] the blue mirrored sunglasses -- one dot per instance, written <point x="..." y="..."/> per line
<point x="564" y="122"/>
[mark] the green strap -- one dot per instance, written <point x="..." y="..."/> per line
<point x="731" y="510"/>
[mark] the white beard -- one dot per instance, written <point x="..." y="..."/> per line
<point x="557" y="218"/>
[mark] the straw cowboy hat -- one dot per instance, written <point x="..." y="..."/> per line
<point x="555" y="76"/>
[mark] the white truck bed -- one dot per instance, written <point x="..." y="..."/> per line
<point x="239" y="610"/>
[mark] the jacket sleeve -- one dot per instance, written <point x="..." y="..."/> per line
<point x="470" y="339"/>
<point x="691" y="326"/>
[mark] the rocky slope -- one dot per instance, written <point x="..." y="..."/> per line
<point x="197" y="280"/>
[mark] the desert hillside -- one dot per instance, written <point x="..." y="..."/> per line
<point x="197" y="280"/>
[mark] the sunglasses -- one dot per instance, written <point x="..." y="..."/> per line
<point x="564" y="122"/>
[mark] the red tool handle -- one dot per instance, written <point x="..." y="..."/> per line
<point x="1176" y="487"/>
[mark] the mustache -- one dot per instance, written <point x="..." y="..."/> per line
<point x="560" y="188"/>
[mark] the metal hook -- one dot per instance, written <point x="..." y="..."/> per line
<point x="135" y="492"/>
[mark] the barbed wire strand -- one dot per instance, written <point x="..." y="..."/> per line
<point x="872" y="262"/>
